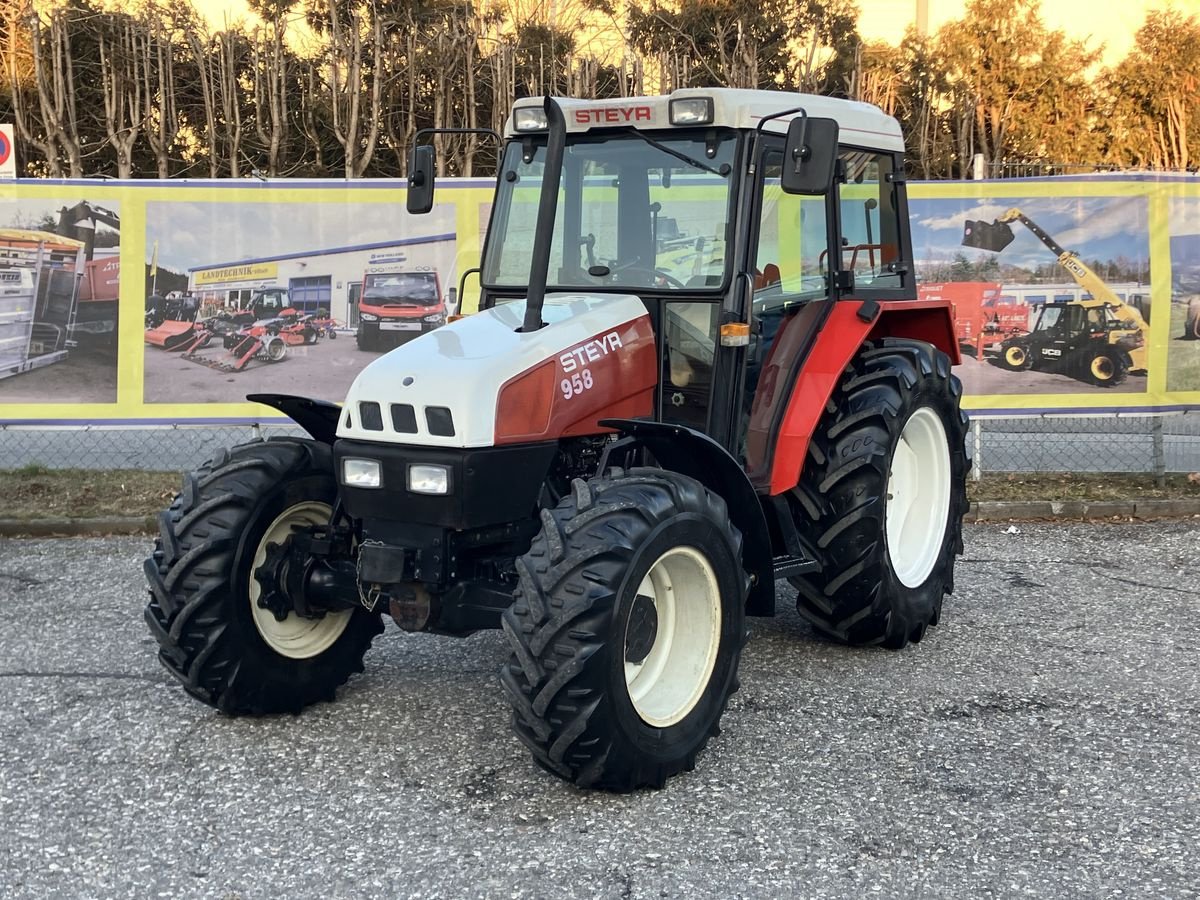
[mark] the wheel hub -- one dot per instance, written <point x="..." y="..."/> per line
<point x="270" y="576"/>
<point x="918" y="497"/>
<point x="643" y="629"/>
<point x="270" y="589"/>
<point x="672" y="635"/>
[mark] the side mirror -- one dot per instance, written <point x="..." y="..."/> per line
<point x="809" y="156"/>
<point x="421" y="164"/>
<point x="452" y="302"/>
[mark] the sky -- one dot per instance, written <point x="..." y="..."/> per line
<point x="1111" y="23"/>
<point x="1101" y="228"/>
<point x="203" y="234"/>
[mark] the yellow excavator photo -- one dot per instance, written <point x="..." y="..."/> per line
<point x="1099" y="339"/>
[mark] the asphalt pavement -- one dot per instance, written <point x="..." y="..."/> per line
<point x="1043" y="741"/>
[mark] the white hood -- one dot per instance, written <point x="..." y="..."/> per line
<point x="462" y="366"/>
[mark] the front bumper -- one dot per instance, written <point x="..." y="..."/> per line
<point x="488" y="485"/>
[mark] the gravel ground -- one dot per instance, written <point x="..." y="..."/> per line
<point x="1044" y="741"/>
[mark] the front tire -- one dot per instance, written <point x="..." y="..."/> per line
<point x="626" y="629"/>
<point x="882" y="497"/>
<point x="1106" y="368"/>
<point x="213" y="636"/>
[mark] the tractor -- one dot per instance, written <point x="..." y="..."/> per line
<point x="1099" y="339"/>
<point x="626" y="451"/>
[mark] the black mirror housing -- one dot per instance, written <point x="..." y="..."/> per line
<point x="421" y="164"/>
<point x="809" y="156"/>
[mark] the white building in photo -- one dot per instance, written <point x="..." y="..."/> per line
<point x="330" y="279"/>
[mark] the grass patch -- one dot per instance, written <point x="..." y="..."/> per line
<point x="1081" y="487"/>
<point x="37" y="492"/>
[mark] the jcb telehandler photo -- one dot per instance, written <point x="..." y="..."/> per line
<point x="622" y="454"/>
<point x="1099" y="339"/>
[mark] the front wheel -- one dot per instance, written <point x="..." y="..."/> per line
<point x="626" y="629"/>
<point x="217" y="632"/>
<point x="882" y="496"/>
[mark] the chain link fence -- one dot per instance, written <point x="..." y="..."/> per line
<point x="1048" y="444"/>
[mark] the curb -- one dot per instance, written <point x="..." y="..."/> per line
<point x="987" y="511"/>
<point x="1080" y="510"/>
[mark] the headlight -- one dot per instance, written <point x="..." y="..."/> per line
<point x="692" y="111"/>
<point x="530" y="118"/>
<point x="367" y="317"/>
<point x="425" y="479"/>
<point x="436" y="317"/>
<point x="361" y="473"/>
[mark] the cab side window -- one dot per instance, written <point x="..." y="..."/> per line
<point x="789" y="261"/>
<point x="870" y="221"/>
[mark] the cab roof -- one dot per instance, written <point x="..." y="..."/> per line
<point x="860" y="124"/>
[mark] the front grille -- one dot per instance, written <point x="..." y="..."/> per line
<point x="371" y="416"/>
<point x="439" y="420"/>
<point x="404" y="418"/>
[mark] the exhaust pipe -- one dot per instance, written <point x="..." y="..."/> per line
<point x="539" y="265"/>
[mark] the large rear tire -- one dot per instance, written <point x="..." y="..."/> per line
<point x="882" y="497"/>
<point x="626" y="629"/>
<point x="226" y="649"/>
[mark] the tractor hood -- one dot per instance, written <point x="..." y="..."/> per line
<point x="459" y="370"/>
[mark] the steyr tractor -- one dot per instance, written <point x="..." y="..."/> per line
<point x="1099" y="339"/>
<point x="625" y="452"/>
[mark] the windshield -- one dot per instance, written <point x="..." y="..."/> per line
<point x="634" y="211"/>
<point x="401" y="289"/>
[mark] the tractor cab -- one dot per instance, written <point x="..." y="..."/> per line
<point x="718" y="210"/>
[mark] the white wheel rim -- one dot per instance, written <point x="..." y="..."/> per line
<point x="668" y="682"/>
<point x="294" y="637"/>
<point x="918" y="497"/>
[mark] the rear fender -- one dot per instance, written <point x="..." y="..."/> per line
<point x="318" y="417"/>
<point x="850" y="325"/>
<point x="698" y="456"/>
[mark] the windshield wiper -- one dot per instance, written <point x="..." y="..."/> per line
<point x="682" y="157"/>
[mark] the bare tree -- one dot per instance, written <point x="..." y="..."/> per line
<point x="54" y="78"/>
<point x="355" y="81"/>
<point x="121" y="80"/>
<point x="158" y="87"/>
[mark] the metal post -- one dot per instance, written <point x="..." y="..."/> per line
<point x="255" y="431"/>
<point x="1160" y="456"/>
<point x="977" y="450"/>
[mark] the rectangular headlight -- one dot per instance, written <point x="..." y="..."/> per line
<point x="361" y="473"/>
<point x="426" y="479"/>
<point x="692" y="111"/>
<point x="530" y="118"/>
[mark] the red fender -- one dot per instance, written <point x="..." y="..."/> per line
<point x="844" y="333"/>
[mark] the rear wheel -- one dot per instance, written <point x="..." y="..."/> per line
<point x="217" y="632"/>
<point x="275" y="349"/>
<point x="1016" y="357"/>
<point x="626" y="629"/>
<point x="882" y="497"/>
<point x="1106" y="368"/>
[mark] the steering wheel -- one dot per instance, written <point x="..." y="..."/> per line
<point x="657" y="273"/>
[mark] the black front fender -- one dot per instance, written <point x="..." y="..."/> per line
<point x="696" y="455"/>
<point x="318" y="417"/>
